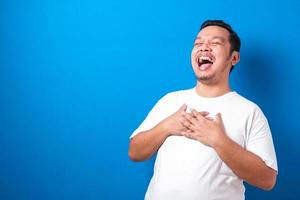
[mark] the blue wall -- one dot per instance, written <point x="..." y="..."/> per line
<point x="78" y="76"/>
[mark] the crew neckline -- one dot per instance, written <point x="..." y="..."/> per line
<point x="222" y="97"/>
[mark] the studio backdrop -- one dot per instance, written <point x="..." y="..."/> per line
<point x="78" y="76"/>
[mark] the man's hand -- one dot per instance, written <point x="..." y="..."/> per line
<point x="204" y="129"/>
<point x="173" y="125"/>
<point x="243" y="163"/>
<point x="178" y="123"/>
<point x="145" y="144"/>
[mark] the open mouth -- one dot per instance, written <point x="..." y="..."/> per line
<point x="204" y="62"/>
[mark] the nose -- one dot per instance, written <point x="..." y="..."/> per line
<point x="205" y="47"/>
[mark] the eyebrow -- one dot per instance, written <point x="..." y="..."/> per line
<point x="215" y="37"/>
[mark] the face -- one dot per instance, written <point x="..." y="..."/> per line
<point x="211" y="55"/>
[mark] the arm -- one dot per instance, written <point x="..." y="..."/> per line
<point x="243" y="163"/>
<point x="145" y="144"/>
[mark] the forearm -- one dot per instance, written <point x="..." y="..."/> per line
<point x="246" y="165"/>
<point x="145" y="144"/>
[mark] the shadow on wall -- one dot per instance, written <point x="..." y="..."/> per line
<point x="260" y="73"/>
<point x="261" y="77"/>
<point x="265" y="77"/>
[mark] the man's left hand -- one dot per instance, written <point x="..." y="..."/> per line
<point x="205" y="129"/>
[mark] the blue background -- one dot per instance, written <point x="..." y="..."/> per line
<point x="78" y="76"/>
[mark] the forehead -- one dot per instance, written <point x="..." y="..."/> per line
<point x="213" y="31"/>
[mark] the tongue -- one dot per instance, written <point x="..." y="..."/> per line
<point x="205" y="66"/>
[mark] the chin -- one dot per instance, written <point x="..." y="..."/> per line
<point x="204" y="76"/>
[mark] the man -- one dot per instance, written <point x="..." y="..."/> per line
<point x="208" y="139"/>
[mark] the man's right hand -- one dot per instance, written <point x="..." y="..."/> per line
<point x="145" y="144"/>
<point x="176" y="123"/>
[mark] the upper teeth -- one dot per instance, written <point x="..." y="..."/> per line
<point x="202" y="58"/>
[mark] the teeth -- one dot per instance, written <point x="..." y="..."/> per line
<point x="202" y="58"/>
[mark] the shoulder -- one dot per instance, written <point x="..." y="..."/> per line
<point x="179" y="93"/>
<point x="248" y="105"/>
<point x="176" y="98"/>
<point x="245" y="102"/>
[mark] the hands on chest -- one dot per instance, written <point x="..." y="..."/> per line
<point x="197" y="125"/>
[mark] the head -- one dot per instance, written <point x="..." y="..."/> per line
<point x="216" y="51"/>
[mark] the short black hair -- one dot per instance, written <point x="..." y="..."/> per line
<point x="234" y="40"/>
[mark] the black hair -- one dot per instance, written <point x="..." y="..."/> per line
<point x="234" y="40"/>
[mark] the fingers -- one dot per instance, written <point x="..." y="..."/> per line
<point x="199" y="115"/>
<point x="189" y="120"/>
<point x="218" y="118"/>
<point x="189" y="117"/>
<point x="195" y="113"/>
<point x="185" y="122"/>
<point x="187" y="133"/>
<point x="204" y="113"/>
<point x="210" y="118"/>
<point x="182" y="108"/>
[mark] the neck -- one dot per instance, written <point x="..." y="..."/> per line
<point x="207" y="90"/>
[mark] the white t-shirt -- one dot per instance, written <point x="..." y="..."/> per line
<point x="186" y="169"/>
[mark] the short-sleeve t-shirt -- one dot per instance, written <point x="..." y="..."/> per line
<point x="187" y="169"/>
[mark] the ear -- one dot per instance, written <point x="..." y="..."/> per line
<point x="235" y="57"/>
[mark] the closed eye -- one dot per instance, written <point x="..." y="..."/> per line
<point x="198" y="44"/>
<point x="216" y="43"/>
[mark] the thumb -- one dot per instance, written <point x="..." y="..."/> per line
<point x="218" y="118"/>
<point x="182" y="108"/>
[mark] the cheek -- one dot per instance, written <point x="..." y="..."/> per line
<point x="222" y="54"/>
<point x="193" y="54"/>
<point x="194" y="51"/>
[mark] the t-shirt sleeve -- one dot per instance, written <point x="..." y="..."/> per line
<point x="158" y="113"/>
<point x="260" y="140"/>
